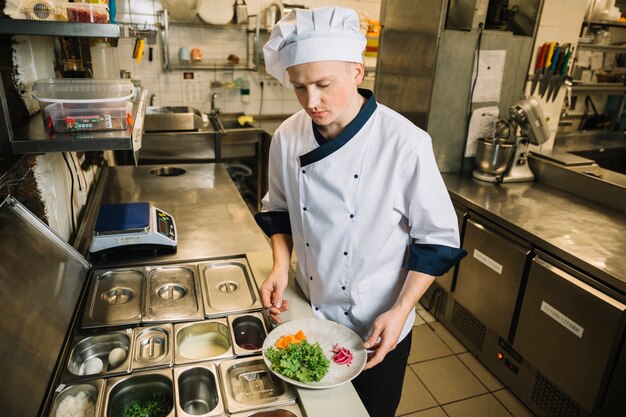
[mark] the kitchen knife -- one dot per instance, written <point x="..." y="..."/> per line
<point x="562" y="75"/>
<point x="549" y="69"/>
<point x="541" y="56"/>
<point x="557" y="71"/>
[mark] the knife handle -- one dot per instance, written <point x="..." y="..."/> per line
<point x="555" y="58"/>
<point x="565" y="62"/>
<point x="549" y="54"/>
<point x="542" y="56"/>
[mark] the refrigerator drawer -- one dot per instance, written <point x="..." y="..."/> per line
<point x="489" y="278"/>
<point x="569" y="331"/>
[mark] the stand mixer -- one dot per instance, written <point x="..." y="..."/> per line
<point x="493" y="159"/>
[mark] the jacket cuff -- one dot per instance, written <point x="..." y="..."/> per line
<point x="273" y="222"/>
<point x="434" y="259"/>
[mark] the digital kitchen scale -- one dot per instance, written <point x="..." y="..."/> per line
<point x="133" y="226"/>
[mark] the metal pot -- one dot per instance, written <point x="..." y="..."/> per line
<point x="493" y="157"/>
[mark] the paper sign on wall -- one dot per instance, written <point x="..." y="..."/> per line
<point x="482" y="125"/>
<point x="490" y="73"/>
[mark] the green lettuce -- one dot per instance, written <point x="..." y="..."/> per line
<point x="303" y="362"/>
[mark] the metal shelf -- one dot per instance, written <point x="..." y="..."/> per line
<point x="51" y="28"/>
<point x="610" y="23"/>
<point x="599" y="88"/>
<point x="252" y="56"/>
<point x="33" y="138"/>
<point x="603" y="48"/>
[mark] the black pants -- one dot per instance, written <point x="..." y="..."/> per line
<point x="380" y="387"/>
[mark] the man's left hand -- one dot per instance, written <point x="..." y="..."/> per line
<point x="384" y="337"/>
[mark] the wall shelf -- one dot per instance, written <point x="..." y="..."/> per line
<point x="252" y="57"/>
<point x="619" y="49"/>
<point x="33" y="138"/>
<point x="52" y="28"/>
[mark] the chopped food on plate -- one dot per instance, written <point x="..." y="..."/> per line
<point x="299" y="360"/>
<point x="342" y="356"/>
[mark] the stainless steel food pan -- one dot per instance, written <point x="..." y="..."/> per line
<point x="88" y="392"/>
<point x="198" y="391"/>
<point x="153" y="346"/>
<point x="202" y="341"/>
<point x="137" y="388"/>
<point x="115" y="298"/>
<point x="228" y="287"/>
<point x="87" y="349"/>
<point x="277" y="411"/>
<point x="247" y="333"/>
<point x="248" y="384"/>
<point x="172" y="293"/>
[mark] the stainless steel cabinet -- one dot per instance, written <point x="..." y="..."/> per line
<point x="569" y="330"/>
<point x="489" y="278"/>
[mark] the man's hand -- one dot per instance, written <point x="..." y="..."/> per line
<point x="384" y="336"/>
<point x="271" y="292"/>
<point x="388" y="326"/>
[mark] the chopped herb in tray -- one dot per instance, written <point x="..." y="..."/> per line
<point x="301" y="361"/>
<point x="158" y="406"/>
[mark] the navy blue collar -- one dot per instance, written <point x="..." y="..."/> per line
<point x="327" y="147"/>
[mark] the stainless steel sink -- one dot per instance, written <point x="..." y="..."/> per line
<point x="197" y="391"/>
<point x="249" y="384"/>
<point x="172" y="119"/>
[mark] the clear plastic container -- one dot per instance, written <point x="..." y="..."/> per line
<point x="76" y="105"/>
<point x="69" y="89"/>
<point x="87" y="12"/>
<point x="73" y="117"/>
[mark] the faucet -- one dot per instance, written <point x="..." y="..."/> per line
<point x="214" y="110"/>
<point x="152" y="97"/>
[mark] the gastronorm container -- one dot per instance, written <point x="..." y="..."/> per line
<point x="88" y="117"/>
<point x="114" y="298"/>
<point x="202" y="341"/>
<point x="247" y="333"/>
<point x="89" y="104"/>
<point x="93" y="391"/>
<point x="171" y="294"/>
<point x="197" y="391"/>
<point x="228" y="287"/>
<point x="122" y="392"/>
<point x="278" y="411"/>
<point x="87" y="12"/>
<point x="87" y="347"/>
<point x="153" y="346"/>
<point x="248" y="384"/>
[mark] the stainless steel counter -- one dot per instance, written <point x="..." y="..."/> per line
<point x="211" y="217"/>
<point x="587" y="235"/>
<point x="213" y="221"/>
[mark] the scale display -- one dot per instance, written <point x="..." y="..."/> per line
<point x="133" y="225"/>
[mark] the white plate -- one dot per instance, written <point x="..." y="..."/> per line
<point x="216" y="12"/>
<point x="326" y="333"/>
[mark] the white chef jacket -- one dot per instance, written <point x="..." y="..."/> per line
<point x="363" y="208"/>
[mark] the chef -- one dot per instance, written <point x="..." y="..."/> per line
<point x="354" y="188"/>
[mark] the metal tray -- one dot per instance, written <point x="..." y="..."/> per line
<point x="228" y="287"/>
<point x="139" y="387"/>
<point x="202" y="341"/>
<point x="94" y="391"/>
<point x="198" y="391"/>
<point x="153" y="346"/>
<point x="171" y="294"/>
<point x="247" y="332"/>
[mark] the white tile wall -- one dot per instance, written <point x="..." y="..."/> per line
<point x="560" y="21"/>
<point x="215" y="44"/>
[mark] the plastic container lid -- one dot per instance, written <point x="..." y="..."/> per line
<point x="80" y="90"/>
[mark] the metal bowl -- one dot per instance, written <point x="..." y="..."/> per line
<point x="123" y="392"/>
<point x="202" y="341"/>
<point x="197" y="391"/>
<point x="87" y="348"/>
<point x="493" y="158"/>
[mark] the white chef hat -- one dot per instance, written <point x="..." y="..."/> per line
<point x="322" y="34"/>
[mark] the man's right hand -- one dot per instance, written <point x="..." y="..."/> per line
<point x="271" y="292"/>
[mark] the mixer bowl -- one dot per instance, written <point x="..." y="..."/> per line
<point x="493" y="158"/>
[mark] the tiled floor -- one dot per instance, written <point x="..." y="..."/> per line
<point x="443" y="379"/>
